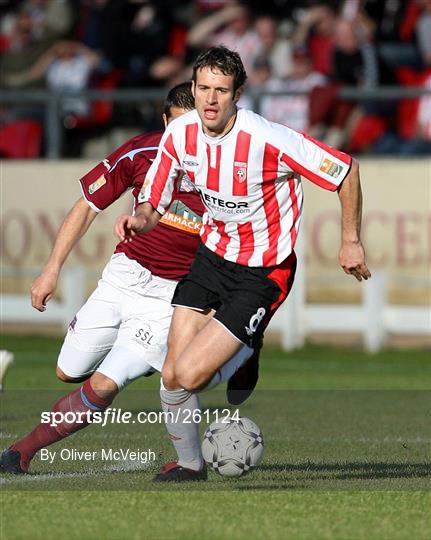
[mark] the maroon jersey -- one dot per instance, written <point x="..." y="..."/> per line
<point x="169" y="249"/>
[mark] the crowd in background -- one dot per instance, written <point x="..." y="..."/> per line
<point x="312" y="46"/>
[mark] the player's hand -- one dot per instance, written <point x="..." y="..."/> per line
<point x="352" y="260"/>
<point x="43" y="289"/>
<point x="126" y="227"/>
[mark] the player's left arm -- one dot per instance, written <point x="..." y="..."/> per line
<point x="332" y="170"/>
<point x="352" y="254"/>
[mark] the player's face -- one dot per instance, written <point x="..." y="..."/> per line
<point x="215" y="100"/>
<point x="174" y="112"/>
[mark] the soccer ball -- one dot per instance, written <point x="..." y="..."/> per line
<point x="233" y="447"/>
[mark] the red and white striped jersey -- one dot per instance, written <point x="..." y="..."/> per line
<point x="249" y="181"/>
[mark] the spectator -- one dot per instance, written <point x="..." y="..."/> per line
<point x="354" y="64"/>
<point x="413" y="134"/>
<point x="276" y="49"/>
<point x="66" y="67"/>
<point x="261" y="73"/>
<point x="22" y="49"/>
<point x="147" y="43"/>
<point x="293" y="111"/>
<point x="89" y="27"/>
<point x="29" y="32"/>
<point x="354" y="58"/>
<point x="147" y="39"/>
<point x="18" y="31"/>
<point x="169" y="70"/>
<point x="51" y="19"/>
<point x="394" y="22"/>
<point x="232" y="27"/>
<point x="130" y="35"/>
<point x="315" y="32"/>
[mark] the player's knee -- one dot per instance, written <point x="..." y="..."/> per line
<point x="168" y="377"/>
<point x="67" y="378"/>
<point x="103" y="386"/>
<point x="190" y="381"/>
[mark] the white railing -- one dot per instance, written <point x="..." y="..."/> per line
<point x="374" y="318"/>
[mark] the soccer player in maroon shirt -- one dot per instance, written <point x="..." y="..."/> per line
<point x="248" y="171"/>
<point x="120" y="333"/>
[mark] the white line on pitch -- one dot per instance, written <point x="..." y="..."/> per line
<point x="126" y="466"/>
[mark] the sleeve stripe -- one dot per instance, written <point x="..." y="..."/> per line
<point x="132" y="154"/>
<point x="170" y="148"/>
<point x="161" y="178"/>
<point x="295" y="166"/>
<point x="345" y="158"/>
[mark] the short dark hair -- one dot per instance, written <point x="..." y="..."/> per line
<point x="179" y="96"/>
<point x="227" y="61"/>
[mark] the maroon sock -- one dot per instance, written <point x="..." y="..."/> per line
<point x="83" y="399"/>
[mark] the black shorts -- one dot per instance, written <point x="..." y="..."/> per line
<point x="244" y="298"/>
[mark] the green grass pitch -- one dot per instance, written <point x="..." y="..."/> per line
<point x="347" y="455"/>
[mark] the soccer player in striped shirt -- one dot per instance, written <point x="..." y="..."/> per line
<point x="248" y="172"/>
<point x="120" y="333"/>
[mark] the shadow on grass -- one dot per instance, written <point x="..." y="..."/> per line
<point x="357" y="470"/>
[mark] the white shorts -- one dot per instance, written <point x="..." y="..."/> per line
<point x="122" y="329"/>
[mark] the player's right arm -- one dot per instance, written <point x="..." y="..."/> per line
<point x="156" y="192"/>
<point x="75" y="225"/>
<point x="144" y="220"/>
<point x="103" y="185"/>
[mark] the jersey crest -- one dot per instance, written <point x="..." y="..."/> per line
<point x="240" y="171"/>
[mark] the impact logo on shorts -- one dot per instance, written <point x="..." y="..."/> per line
<point x="255" y="320"/>
<point x="331" y="168"/>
